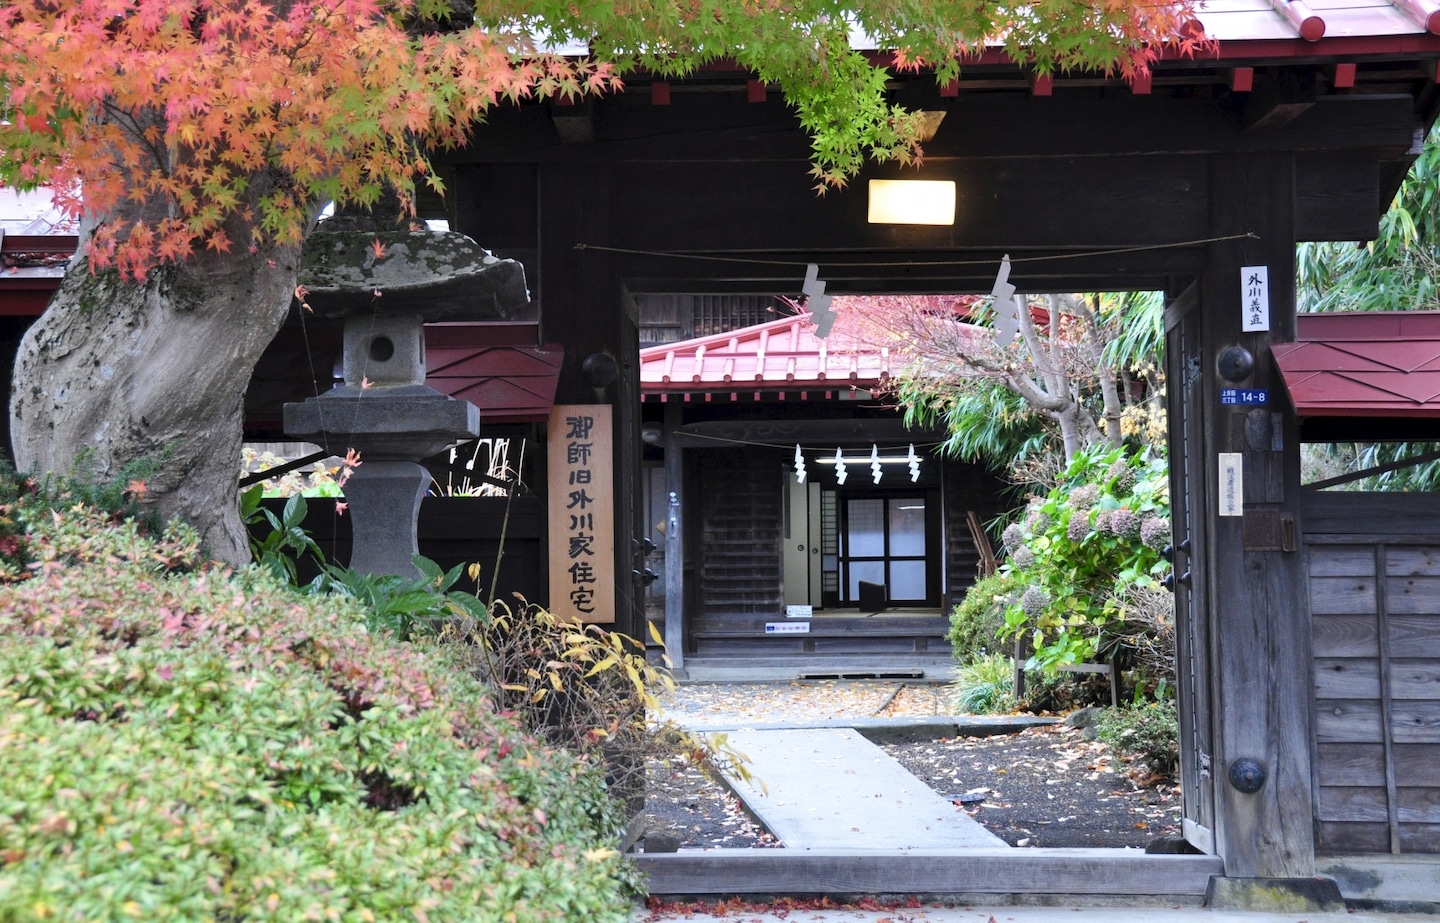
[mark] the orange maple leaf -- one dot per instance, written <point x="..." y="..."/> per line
<point x="378" y="249"/>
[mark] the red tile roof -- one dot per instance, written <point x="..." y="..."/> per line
<point x="780" y="356"/>
<point x="1363" y="365"/>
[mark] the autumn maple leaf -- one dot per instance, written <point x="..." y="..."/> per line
<point x="377" y="249"/>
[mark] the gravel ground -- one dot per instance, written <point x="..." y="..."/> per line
<point x="1042" y="787"/>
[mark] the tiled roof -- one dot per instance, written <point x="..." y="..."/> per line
<point x="1363" y="365"/>
<point x="782" y="355"/>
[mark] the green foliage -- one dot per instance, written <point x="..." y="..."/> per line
<point x="279" y="549"/>
<point x="1399" y="269"/>
<point x="984" y="421"/>
<point x="977" y="623"/>
<point x="1082" y="548"/>
<point x="403" y="605"/>
<point x="986" y="685"/>
<point x="182" y="743"/>
<point x="1146" y="734"/>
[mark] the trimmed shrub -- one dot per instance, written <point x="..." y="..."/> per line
<point x="181" y="742"/>
<point x="977" y="622"/>
<point x="1147" y="735"/>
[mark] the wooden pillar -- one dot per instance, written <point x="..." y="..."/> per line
<point x="674" y="539"/>
<point x="1253" y="572"/>
<point x="582" y="307"/>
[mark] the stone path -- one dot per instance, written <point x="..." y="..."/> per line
<point x="831" y="788"/>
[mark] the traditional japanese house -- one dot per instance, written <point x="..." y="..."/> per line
<point x="824" y="537"/>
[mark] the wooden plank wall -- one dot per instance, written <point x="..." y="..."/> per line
<point x="967" y="487"/>
<point x="741" y="511"/>
<point x="1375" y="609"/>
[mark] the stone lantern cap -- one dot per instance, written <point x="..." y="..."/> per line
<point x="435" y="275"/>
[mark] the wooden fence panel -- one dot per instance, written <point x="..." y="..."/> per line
<point x="1376" y="671"/>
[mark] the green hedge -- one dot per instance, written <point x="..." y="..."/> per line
<point x="185" y="743"/>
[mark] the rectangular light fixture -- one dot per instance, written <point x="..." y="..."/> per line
<point x="912" y="201"/>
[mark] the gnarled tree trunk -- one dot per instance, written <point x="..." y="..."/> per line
<point x="118" y="371"/>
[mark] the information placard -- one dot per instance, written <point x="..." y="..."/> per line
<point x="582" y="512"/>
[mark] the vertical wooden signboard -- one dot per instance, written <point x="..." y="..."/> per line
<point x="582" y="512"/>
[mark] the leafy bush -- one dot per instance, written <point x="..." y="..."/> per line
<point x="185" y="743"/>
<point x="1082" y="548"/>
<point x="587" y="689"/>
<point x="977" y="623"/>
<point x="986" y="685"/>
<point x="1148" y="735"/>
<point x="404" y="605"/>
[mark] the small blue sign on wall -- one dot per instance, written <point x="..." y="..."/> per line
<point x="1251" y="396"/>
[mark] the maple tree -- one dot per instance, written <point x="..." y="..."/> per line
<point x="197" y="141"/>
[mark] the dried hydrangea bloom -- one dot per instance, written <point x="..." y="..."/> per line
<point x="1034" y="601"/>
<point x="1155" y="532"/>
<point x="1078" y="528"/>
<point x="1023" y="557"/>
<point x="1124" y="523"/>
<point x="1084" y="497"/>
<point x="1123" y="475"/>
<point x="1013" y="537"/>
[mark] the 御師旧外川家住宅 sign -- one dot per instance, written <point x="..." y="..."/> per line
<point x="582" y="513"/>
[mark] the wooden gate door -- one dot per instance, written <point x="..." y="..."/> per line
<point x="1374" y="575"/>
<point x="1192" y="630"/>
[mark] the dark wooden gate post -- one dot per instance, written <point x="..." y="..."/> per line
<point x="583" y="305"/>
<point x="1253" y="572"/>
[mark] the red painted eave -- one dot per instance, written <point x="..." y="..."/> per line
<point x="780" y="356"/>
<point x="1363" y="365"/>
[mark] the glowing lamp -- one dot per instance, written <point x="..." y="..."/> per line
<point x="912" y="201"/>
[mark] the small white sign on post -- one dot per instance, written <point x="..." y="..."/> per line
<point x="1232" y="485"/>
<point x="799" y="612"/>
<point x="1254" y="298"/>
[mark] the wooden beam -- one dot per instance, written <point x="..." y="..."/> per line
<point x="771" y="206"/>
<point x="709" y="128"/>
<point x="1280" y="99"/>
<point x="659" y="93"/>
<point x="787" y="431"/>
<point x="1242" y="79"/>
<point x="928" y="871"/>
<point x="1335" y="197"/>
<point x="755" y="91"/>
<point x="1344" y="77"/>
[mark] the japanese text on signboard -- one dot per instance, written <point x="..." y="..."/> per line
<point x="1255" y="298"/>
<point x="582" y="515"/>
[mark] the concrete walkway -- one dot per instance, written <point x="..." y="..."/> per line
<point x="831" y="788"/>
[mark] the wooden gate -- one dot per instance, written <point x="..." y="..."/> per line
<point x="1374" y="577"/>
<point x="1192" y="628"/>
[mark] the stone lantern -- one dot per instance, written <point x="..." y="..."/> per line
<point x="385" y="286"/>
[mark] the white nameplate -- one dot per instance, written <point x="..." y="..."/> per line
<point x="787" y="628"/>
<point x="1254" y="298"/>
<point x="1232" y="485"/>
<point x="799" y="612"/>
